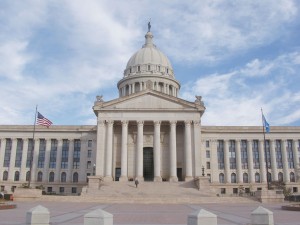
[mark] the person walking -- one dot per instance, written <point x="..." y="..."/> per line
<point x="136" y="181"/>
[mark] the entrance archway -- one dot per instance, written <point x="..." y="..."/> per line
<point x="148" y="164"/>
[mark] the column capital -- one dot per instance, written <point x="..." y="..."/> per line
<point x="124" y="122"/>
<point x="101" y="122"/>
<point x="110" y="122"/>
<point x="173" y="122"/>
<point x="157" y="122"/>
<point x="187" y="122"/>
<point x="197" y="122"/>
<point x="140" y="122"/>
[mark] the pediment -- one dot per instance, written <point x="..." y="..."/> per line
<point x="149" y="100"/>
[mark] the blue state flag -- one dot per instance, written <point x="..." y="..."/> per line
<point x="265" y="124"/>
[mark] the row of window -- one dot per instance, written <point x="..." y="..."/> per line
<point x="42" y="153"/>
<point x="63" y="176"/>
<point x="255" y="154"/>
<point x="257" y="177"/>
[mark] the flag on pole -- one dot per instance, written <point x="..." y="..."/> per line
<point x="41" y="120"/>
<point x="265" y="124"/>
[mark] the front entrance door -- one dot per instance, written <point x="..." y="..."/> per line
<point x="117" y="174"/>
<point x="148" y="164"/>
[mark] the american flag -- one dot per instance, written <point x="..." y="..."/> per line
<point x="41" y="120"/>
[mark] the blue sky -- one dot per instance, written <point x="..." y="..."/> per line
<point x="238" y="55"/>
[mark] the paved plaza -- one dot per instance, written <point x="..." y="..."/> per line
<point x="68" y="213"/>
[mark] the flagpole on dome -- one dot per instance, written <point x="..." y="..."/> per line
<point x="32" y="148"/>
<point x="266" y="129"/>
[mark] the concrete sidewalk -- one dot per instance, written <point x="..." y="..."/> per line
<point x="68" y="213"/>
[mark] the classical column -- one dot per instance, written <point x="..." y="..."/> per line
<point x="100" y="151"/>
<point x="24" y="159"/>
<point x="124" y="170"/>
<point x="129" y="92"/>
<point x="214" y="161"/>
<point x="58" y="160"/>
<point x="188" y="151"/>
<point x="273" y="161"/>
<point x="109" y="151"/>
<point x="156" y="144"/>
<point x="139" y="158"/>
<point x="226" y="162"/>
<point x="262" y="161"/>
<point x="70" y="161"/>
<point x="2" y="152"/>
<point x="239" y="162"/>
<point x="173" y="154"/>
<point x="47" y="160"/>
<point x="250" y="161"/>
<point x="11" y="169"/>
<point x="141" y="88"/>
<point x="199" y="156"/>
<point x="286" y="176"/>
<point x="133" y="88"/>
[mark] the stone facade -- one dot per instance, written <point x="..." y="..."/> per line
<point x="152" y="134"/>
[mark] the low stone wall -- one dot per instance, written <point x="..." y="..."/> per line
<point x="270" y="196"/>
<point x="27" y="194"/>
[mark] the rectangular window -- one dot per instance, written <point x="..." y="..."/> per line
<point x="76" y="154"/>
<point x="90" y="143"/>
<point x="255" y="152"/>
<point x="208" y="165"/>
<point x="19" y="151"/>
<point x="74" y="190"/>
<point x="7" y="152"/>
<point x="89" y="154"/>
<point x="42" y="153"/>
<point x="29" y="153"/>
<point x="207" y="154"/>
<point x="65" y="154"/>
<point x="53" y="153"/>
<point x="268" y="152"/>
<point x="61" y="190"/>
<point x="232" y="155"/>
<point x="89" y="165"/>
<point x="244" y="154"/>
<point x="278" y="154"/>
<point x="207" y="144"/>
<point x="220" y="152"/>
<point x="290" y="157"/>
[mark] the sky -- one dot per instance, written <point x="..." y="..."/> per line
<point x="240" y="56"/>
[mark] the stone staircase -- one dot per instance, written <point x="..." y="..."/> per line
<point x="155" y="192"/>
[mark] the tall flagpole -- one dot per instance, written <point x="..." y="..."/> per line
<point x="32" y="148"/>
<point x="265" y="149"/>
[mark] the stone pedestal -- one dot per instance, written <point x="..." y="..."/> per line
<point x="269" y="196"/>
<point x="123" y="179"/>
<point x="173" y="179"/>
<point x="94" y="182"/>
<point x="202" y="183"/>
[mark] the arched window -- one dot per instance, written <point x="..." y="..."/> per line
<point x="245" y="178"/>
<point x="269" y="177"/>
<point x="257" y="178"/>
<point x="27" y="175"/>
<point x="221" y="178"/>
<point x="280" y="177"/>
<point x="51" y="177"/>
<point x="75" y="177"/>
<point x="40" y="177"/>
<point x="292" y="177"/>
<point x="233" y="178"/>
<point x="5" y="175"/>
<point x="63" y="177"/>
<point x="17" y="176"/>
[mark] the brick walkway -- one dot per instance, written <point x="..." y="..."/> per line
<point x="147" y="214"/>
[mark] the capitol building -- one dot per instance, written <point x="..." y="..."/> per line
<point x="148" y="133"/>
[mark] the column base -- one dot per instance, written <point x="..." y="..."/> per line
<point x="157" y="179"/>
<point x="107" y="179"/>
<point x="188" y="178"/>
<point x="173" y="179"/>
<point x="139" y="178"/>
<point x="123" y="179"/>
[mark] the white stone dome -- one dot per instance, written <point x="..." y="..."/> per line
<point x="149" y="59"/>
